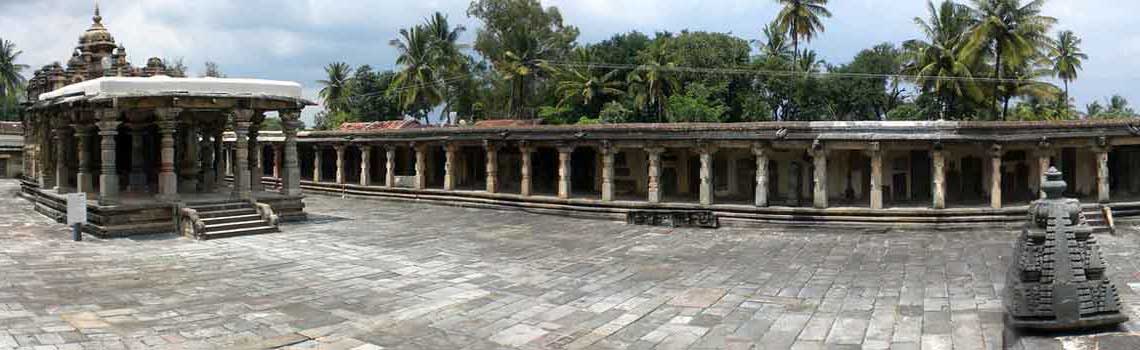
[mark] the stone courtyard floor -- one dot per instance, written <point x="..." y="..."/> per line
<point x="371" y="275"/>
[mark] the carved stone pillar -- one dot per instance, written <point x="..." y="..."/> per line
<point x="219" y="154"/>
<point x="390" y="166"/>
<point x="654" y="185"/>
<point x="339" y="164"/>
<point x="256" y="154"/>
<point x="136" y="180"/>
<point x="876" y="176"/>
<point x="995" y="177"/>
<point x="62" y="171"/>
<point x="229" y="158"/>
<point x="291" y="122"/>
<point x="365" y="164"/>
<point x="761" y="153"/>
<point x="492" y="167"/>
<point x="564" y="153"/>
<point x="706" y="175"/>
<point x="819" y="176"/>
<point x="421" y="166"/>
<point x="449" y="152"/>
<point x="109" y="176"/>
<point x="608" y="172"/>
<point x="526" y="187"/>
<point x="83" y="179"/>
<point x="209" y="174"/>
<point x="167" y="125"/>
<point x="1102" y="185"/>
<point x="278" y="156"/>
<point x="188" y="173"/>
<point x="938" y="162"/>
<point x="317" y="163"/>
<point x="242" y="189"/>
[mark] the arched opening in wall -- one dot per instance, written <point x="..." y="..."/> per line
<point x="734" y="176"/>
<point x="436" y="166"/>
<point x="328" y="164"/>
<point x="1124" y="173"/>
<point x="352" y="158"/>
<point x="585" y="173"/>
<point x="680" y="176"/>
<point x="631" y="175"/>
<point x="305" y="161"/>
<point x="544" y="171"/>
<point x="509" y="169"/>
<point x="471" y="168"/>
<point x="849" y="178"/>
<point x="966" y="179"/>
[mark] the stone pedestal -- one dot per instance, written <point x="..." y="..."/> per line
<point x="654" y="190"/>
<point x="761" y="153"/>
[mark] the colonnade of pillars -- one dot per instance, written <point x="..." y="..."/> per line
<point x="818" y="153"/>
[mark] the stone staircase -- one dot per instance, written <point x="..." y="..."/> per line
<point x="229" y="219"/>
<point x="1097" y="220"/>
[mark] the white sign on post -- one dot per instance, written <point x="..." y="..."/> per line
<point x="76" y="208"/>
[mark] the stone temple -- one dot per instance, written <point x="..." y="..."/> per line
<point x="145" y="145"/>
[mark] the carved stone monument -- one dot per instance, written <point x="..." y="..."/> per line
<point x="1057" y="280"/>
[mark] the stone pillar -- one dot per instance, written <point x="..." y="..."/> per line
<point x="256" y="156"/>
<point x="339" y="164"/>
<point x="938" y="187"/>
<point x="876" y="176"/>
<point x="242" y="189"/>
<point x="229" y="155"/>
<point x="608" y="172"/>
<point x="291" y="122"/>
<point x="109" y="176"/>
<point x="209" y="174"/>
<point x="83" y="180"/>
<point x="706" y="153"/>
<point x="995" y="177"/>
<point x="492" y="167"/>
<point x="526" y="152"/>
<point x="421" y="166"/>
<point x="564" y="153"/>
<point x="654" y="189"/>
<point x="188" y="174"/>
<point x="167" y="126"/>
<point x="819" y="176"/>
<point x="365" y="164"/>
<point x="278" y="155"/>
<point x="761" y="153"/>
<point x="390" y="166"/>
<point x="62" y="173"/>
<point x="449" y="152"/>
<point x="136" y="181"/>
<point x="317" y="163"/>
<point x="1102" y="185"/>
<point x="219" y="153"/>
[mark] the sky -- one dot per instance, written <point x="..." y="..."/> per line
<point x="294" y="39"/>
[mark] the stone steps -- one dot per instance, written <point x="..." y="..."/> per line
<point x="232" y="219"/>
<point x="1095" y="218"/>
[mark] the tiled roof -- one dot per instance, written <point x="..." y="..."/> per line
<point x="382" y="125"/>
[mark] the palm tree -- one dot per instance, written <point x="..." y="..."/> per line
<point x="335" y="85"/>
<point x="775" y="43"/>
<point x="1011" y="33"/>
<point x="583" y="84"/>
<point x="807" y="61"/>
<point x="447" y="57"/>
<point x="1066" y="57"/>
<point x="937" y="64"/>
<point x="800" y="19"/>
<point x="418" y="86"/>
<point x="10" y="78"/>
<point x="652" y="83"/>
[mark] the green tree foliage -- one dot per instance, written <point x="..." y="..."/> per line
<point x="11" y="81"/>
<point x="1116" y="108"/>
<point x="939" y="63"/>
<point x="1010" y="33"/>
<point x="335" y="85"/>
<point x="367" y="98"/>
<point x="516" y="37"/>
<point x="802" y="19"/>
<point x="418" y="85"/>
<point x="697" y="104"/>
<point x="1066" y="57"/>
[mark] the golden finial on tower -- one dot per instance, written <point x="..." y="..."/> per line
<point x="97" y="18"/>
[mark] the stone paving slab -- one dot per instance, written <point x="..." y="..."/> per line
<point x="384" y="275"/>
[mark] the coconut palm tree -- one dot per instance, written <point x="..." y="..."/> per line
<point x="937" y="63"/>
<point x="10" y="78"/>
<point x="1066" y="57"/>
<point x="775" y="43"/>
<point x="447" y="59"/>
<point x="335" y="85"/>
<point x="418" y="85"/>
<point x="800" y="19"/>
<point x="652" y="82"/>
<point x="584" y="84"/>
<point x="1011" y="33"/>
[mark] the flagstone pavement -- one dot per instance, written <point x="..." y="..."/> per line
<point x="391" y="275"/>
